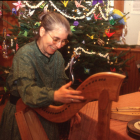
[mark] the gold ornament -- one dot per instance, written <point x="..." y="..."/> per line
<point x="116" y="61"/>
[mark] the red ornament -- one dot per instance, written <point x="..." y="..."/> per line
<point x="79" y="80"/>
<point x="17" y="47"/>
<point x="113" y="69"/>
<point x="109" y="34"/>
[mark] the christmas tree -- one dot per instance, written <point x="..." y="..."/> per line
<point x="93" y="27"/>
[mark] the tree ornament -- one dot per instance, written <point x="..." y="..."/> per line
<point x="91" y="37"/>
<point x="42" y="6"/>
<point x="96" y="1"/>
<point x="25" y="33"/>
<point x="0" y="13"/>
<point x="12" y="43"/>
<point x="31" y="12"/>
<point x="72" y="28"/>
<point x="96" y="17"/>
<point x="14" y="11"/>
<point x="17" y="47"/>
<point x="83" y="41"/>
<point x="18" y="5"/>
<point x="112" y="21"/>
<point x="100" y="42"/>
<point x="109" y="34"/>
<point x="79" y="80"/>
<point x="76" y="23"/>
<point x="77" y="4"/>
<point x="116" y="14"/>
<point x="37" y="24"/>
<point x="65" y="3"/>
<point x="113" y="69"/>
<point x="88" y="18"/>
<point x="116" y="60"/>
<point x="86" y="71"/>
<point x="5" y="89"/>
<point x="77" y="10"/>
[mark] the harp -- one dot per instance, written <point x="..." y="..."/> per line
<point x="104" y="87"/>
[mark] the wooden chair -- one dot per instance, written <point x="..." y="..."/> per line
<point x="104" y="87"/>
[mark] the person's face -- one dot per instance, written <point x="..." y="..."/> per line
<point x="52" y="40"/>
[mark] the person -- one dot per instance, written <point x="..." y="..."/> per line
<point x="37" y="76"/>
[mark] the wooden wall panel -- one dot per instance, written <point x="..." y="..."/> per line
<point x="119" y="4"/>
<point x="131" y="84"/>
<point x="8" y="18"/>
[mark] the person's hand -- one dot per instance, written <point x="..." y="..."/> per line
<point x="67" y="95"/>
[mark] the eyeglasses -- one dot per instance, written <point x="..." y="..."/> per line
<point x="57" y="40"/>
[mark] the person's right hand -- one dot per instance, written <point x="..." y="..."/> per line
<point x="67" y="95"/>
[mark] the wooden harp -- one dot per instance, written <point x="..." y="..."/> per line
<point x="104" y="86"/>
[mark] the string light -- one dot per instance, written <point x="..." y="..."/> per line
<point x="33" y="7"/>
<point x="73" y="17"/>
<point x="80" y="48"/>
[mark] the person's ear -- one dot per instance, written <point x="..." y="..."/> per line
<point x="42" y="31"/>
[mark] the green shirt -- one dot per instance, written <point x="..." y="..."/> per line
<point x="33" y="77"/>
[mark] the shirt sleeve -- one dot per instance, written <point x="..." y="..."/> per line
<point x="22" y="79"/>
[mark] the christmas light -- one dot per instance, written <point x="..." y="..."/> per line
<point x="73" y="17"/>
<point x="80" y="48"/>
<point x="33" y="7"/>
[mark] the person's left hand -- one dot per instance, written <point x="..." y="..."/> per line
<point x="76" y="119"/>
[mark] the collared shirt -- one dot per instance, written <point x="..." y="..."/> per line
<point x="34" y="77"/>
